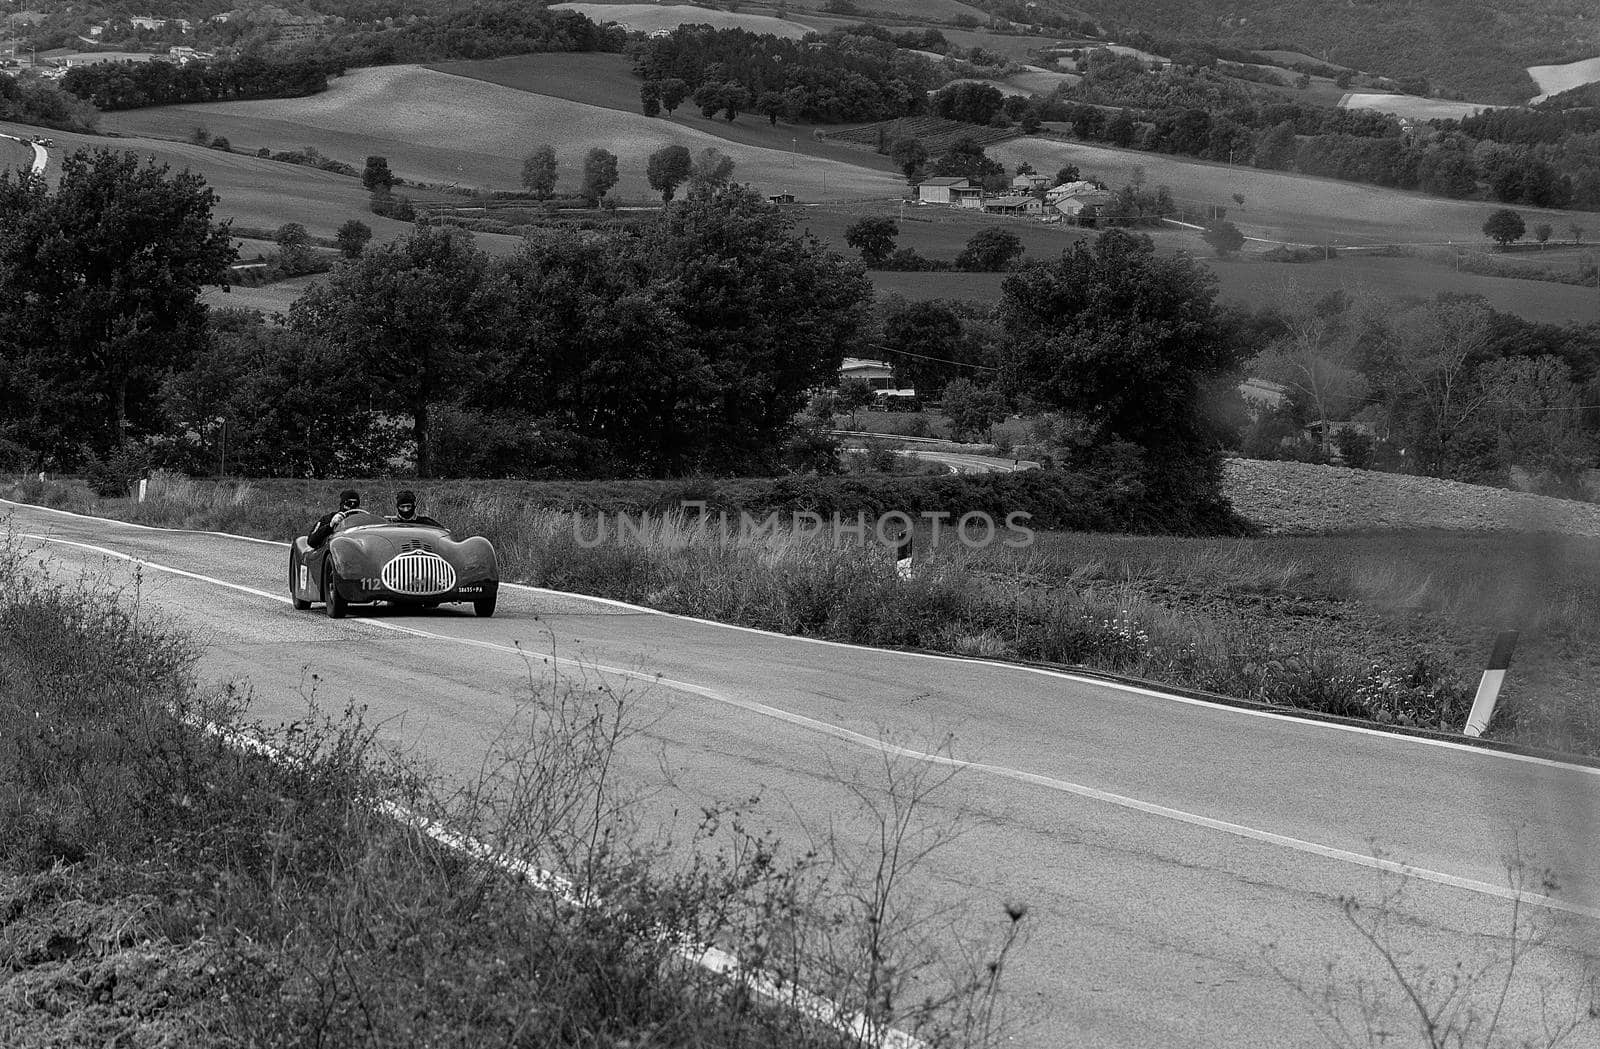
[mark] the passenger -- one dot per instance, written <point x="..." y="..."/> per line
<point x="349" y="502"/>
<point x="405" y="511"/>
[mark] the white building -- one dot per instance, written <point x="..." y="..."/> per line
<point x="939" y="190"/>
<point x="878" y="374"/>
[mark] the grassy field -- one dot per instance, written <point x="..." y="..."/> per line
<point x="1553" y="80"/>
<point x="941" y="232"/>
<point x="650" y="17"/>
<point x="14" y="155"/>
<point x="252" y="191"/>
<point x="1279" y="206"/>
<point x="440" y="128"/>
<point x="889" y="11"/>
<point x="1420" y="109"/>
<point x="608" y="81"/>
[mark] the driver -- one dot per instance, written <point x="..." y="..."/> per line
<point x="349" y="501"/>
<point x="405" y="511"/>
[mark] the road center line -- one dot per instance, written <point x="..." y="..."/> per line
<point x="868" y="742"/>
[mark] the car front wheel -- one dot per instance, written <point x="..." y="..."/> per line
<point x="484" y="606"/>
<point x="336" y="604"/>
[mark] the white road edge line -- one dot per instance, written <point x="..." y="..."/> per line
<point x="858" y="739"/>
<point x="1397" y="738"/>
<point x="707" y="956"/>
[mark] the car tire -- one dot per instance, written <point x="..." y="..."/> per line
<point x="484" y="606"/>
<point x="294" y="594"/>
<point x="336" y="604"/>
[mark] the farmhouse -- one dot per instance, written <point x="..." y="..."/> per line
<point x="1083" y="210"/>
<point x="1069" y="189"/>
<point x="878" y="374"/>
<point x="1029" y="183"/>
<point x="967" y="196"/>
<point x="780" y="198"/>
<point x="1013" y="205"/>
<point x="939" y="190"/>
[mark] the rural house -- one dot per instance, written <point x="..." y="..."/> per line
<point x="1014" y="205"/>
<point x="878" y="374"/>
<point x="1069" y="189"/>
<point x="938" y="190"/>
<point x="967" y="196"/>
<point x="1029" y="183"/>
<point x="1083" y="209"/>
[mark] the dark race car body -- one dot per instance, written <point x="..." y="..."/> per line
<point x="369" y="559"/>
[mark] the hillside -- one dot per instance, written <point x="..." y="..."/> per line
<point x="650" y="17"/>
<point x="449" y="129"/>
<point x="608" y="81"/>
<point x="1292" y="498"/>
<point x="1279" y="205"/>
<point x="1480" y="48"/>
<point x="14" y="154"/>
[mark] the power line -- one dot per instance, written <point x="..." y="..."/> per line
<point x="941" y="360"/>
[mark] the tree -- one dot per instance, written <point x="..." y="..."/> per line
<point x="909" y="154"/>
<point x="966" y="159"/>
<point x="352" y="237"/>
<point x="1066" y="174"/>
<point x="1317" y="358"/>
<point x="710" y="98"/>
<point x="1121" y="128"/>
<point x="291" y="235"/>
<point x="1030" y="122"/>
<point x="713" y="170"/>
<point x="735" y="100"/>
<point x="99" y="293"/>
<point x="874" y="238"/>
<point x="1132" y="344"/>
<point x="771" y="105"/>
<point x="414" y="314"/>
<point x="1541" y="233"/>
<point x="852" y="396"/>
<point x="376" y="176"/>
<point x="1504" y="226"/>
<point x="990" y="251"/>
<point x="972" y="410"/>
<point x="1577" y="233"/>
<point x="667" y="169"/>
<point x="673" y="92"/>
<point x="1276" y="147"/>
<point x="650" y="98"/>
<point x="539" y="172"/>
<point x="1427" y="392"/>
<point x="927" y="344"/>
<point x="1224" y="238"/>
<point x="599" y="174"/>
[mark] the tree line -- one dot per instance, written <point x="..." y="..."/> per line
<point x="134" y="85"/>
<point x="839" y="76"/>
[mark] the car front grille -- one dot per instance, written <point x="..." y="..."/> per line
<point x="419" y="574"/>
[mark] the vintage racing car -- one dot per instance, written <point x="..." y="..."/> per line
<point x="370" y="559"/>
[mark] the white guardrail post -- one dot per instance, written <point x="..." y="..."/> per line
<point x="1494" y="675"/>
<point x="902" y="557"/>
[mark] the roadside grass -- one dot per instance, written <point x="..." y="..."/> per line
<point x="1392" y="628"/>
<point x="161" y="886"/>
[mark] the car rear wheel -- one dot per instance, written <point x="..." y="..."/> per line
<point x="294" y="584"/>
<point x="336" y="604"/>
<point x="484" y="606"/>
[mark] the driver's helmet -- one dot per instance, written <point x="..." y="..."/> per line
<point x="349" y="499"/>
<point x="405" y="505"/>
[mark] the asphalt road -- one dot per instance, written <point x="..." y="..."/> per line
<point x="1172" y="854"/>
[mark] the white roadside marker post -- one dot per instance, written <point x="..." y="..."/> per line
<point x="902" y="558"/>
<point x="1494" y="675"/>
<point x="143" y="484"/>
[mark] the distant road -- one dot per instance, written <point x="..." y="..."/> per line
<point x="1172" y="853"/>
<point x="40" y="156"/>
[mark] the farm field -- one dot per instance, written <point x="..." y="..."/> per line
<point x="1553" y="80"/>
<point x="941" y="232"/>
<point x="1258" y="283"/>
<point x="608" y="81"/>
<point x="649" y="17"/>
<point x="439" y="128"/>
<point x="888" y="10"/>
<point x="1411" y="106"/>
<point x="1280" y="206"/>
<point x="268" y="298"/>
<point x="252" y="191"/>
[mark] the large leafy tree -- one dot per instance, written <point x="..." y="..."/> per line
<point x="99" y="293"/>
<point x="668" y="168"/>
<point x="1132" y="345"/>
<point x="599" y="174"/>
<point x="873" y="236"/>
<point x="413" y="315"/>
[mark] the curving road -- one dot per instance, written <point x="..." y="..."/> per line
<point x="40" y="156"/>
<point x="1166" y="848"/>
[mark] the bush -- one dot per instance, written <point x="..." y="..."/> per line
<point x="115" y="474"/>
